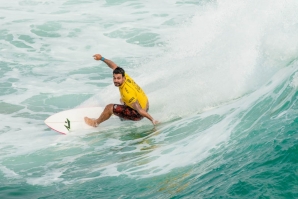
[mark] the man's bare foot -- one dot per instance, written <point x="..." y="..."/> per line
<point x="90" y="122"/>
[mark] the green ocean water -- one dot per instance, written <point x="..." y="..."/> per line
<point x="221" y="77"/>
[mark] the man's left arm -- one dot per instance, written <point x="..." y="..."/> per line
<point x="137" y="107"/>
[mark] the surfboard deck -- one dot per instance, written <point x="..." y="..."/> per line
<point x="71" y="120"/>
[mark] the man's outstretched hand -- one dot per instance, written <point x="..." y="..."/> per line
<point x="97" y="57"/>
<point x="155" y="122"/>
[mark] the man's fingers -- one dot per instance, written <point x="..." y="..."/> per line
<point x="96" y="57"/>
<point x="155" y="122"/>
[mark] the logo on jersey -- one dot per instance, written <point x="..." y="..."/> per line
<point x="131" y="99"/>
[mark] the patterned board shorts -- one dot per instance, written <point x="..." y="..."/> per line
<point x="126" y="113"/>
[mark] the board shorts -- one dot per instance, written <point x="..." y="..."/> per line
<point x="126" y="113"/>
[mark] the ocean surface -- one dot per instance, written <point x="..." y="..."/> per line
<point x="221" y="77"/>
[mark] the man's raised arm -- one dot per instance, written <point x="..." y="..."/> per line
<point x="110" y="63"/>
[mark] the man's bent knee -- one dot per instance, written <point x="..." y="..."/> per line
<point x="109" y="108"/>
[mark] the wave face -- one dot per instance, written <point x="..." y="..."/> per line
<point x="221" y="77"/>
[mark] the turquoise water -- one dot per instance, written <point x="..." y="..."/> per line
<point x="221" y="77"/>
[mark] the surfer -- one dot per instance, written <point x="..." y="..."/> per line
<point x="134" y="102"/>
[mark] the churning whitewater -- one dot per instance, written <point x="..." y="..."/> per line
<point x="221" y="77"/>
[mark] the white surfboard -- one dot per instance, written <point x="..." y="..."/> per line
<point x="71" y="120"/>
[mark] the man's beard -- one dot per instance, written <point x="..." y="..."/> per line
<point x="117" y="84"/>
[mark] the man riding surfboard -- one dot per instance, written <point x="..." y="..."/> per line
<point x="135" y="104"/>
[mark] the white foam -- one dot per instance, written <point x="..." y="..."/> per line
<point x="224" y="52"/>
<point x="294" y="82"/>
<point x="8" y="173"/>
<point x="50" y="177"/>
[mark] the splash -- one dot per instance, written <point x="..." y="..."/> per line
<point x="228" y="49"/>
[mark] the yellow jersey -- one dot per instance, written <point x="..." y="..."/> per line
<point x="131" y="92"/>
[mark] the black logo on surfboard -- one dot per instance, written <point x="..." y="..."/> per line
<point x="68" y="124"/>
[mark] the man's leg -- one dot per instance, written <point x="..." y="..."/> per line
<point x="106" y="114"/>
<point x="126" y="113"/>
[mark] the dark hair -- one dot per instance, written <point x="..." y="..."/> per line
<point x="119" y="70"/>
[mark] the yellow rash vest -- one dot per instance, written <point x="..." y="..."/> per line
<point x="130" y="92"/>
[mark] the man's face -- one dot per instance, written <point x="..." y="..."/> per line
<point x="118" y="79"/>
